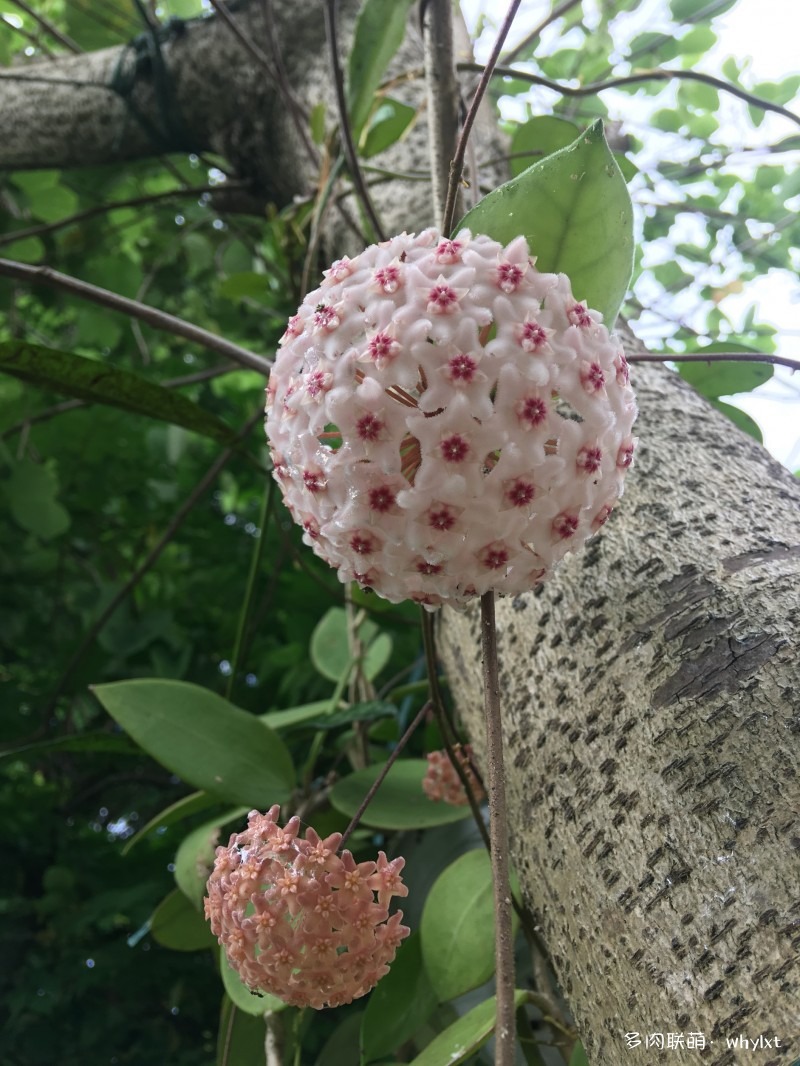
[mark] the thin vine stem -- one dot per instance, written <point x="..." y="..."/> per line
<point x="655" y="74"/>
<point x="265" y="513"/>
<point x="457" y="163"/>
<point x="505" y="1028"/>
<point x="345" y="128"/>
<point x="714" y="357"/>
<point x="376" y="784"/>
<point x="44" y="275"/>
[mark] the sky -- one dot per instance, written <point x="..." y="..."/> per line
<point x="766" y="32"/>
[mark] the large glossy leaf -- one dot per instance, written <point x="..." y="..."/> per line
<point x="464" y="1037"/>
<point x="574" y="209"/>
<point x="203" y="738"/>
<point x="725" y="378"/>
<point x="402" y="1001"/>
<point x="458" y="926"/>
<point x="387" y="125"/>
<point x="87" y="379"/>
<point x="245" y="1000"/>
<point x="195" y="855"/>
<point x="176" y="924"/>
<point x="330" y="651"/>
<point x="400" y="802"/>
<point x="380" y="29"/>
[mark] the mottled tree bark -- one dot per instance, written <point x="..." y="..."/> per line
<point x="653" y="746"/>
<point x="650" y="690"/>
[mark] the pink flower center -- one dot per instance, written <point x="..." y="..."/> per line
<point x="592" y="377"/>
<point x="441" y="518"/>
<point x="388" y="278"/>
<point x="579" y="316"/>
<point x="316" y="383"/>
<point x="532" y="337"/>
<point x="625" y="454"/>
<point x="369" y="427"/>
<point x="311" y="527"/>
<point x="442" y="300"/>
<point x="589" y="459"/>
<point x="424" y="567"/>
<point x="449" y="251"/>
<point x="532" y="410"/>
<point x="564" y="525"/>
<point x="382" y="346"/>
<point x="462" y="368"/>
<point x="520" y="492"/>
<point x="313" y="480"/>
<point x="325" y="318"/>
<point x="362" y="543"/>
<point x="602" y="516"/>
<point x="381" y="498"/>
<point x="493" y="556"/>
<point x="623" y="371"/>
<point x="509" y="275"/>
<point x="454" y="448"/>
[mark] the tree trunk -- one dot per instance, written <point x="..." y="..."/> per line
<point x="652" y="722"/>
<point x="649" y="688"/>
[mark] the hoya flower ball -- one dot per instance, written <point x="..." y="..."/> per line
<point x="300" y="921"/>
<point x="441" y="782"/>
<point x="445" y="420"/>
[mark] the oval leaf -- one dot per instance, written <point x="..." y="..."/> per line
<point x="575" y="212"/>
<point x="400" y="802"/>
<point x="96" y="382"/>
<point x="240" y="994"/>
<point x="176" y="812"/>
<point x="458" y="926"/>
<point x="400" y="1004"/>
<point x="740" y="418"/>
<point x="464" y="1037"/>
<point x="176" y="924"/>
<point x="203" y="738"/>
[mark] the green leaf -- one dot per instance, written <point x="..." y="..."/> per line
<point x="538" y="137"/>
<point x="245" y="285"/>
<point x="464" y="1037"/>
<point x="400" y="1004"/>
<point x="740" y="418"/>
<point x="358" y="712"/>
<point x="195" y="855"/>
<point x="27" y="250"/>
<point x="695" y="10"/>
<point x="96" y="382"/>
<point x="240" y="994"/>
<point x="203" y="738"/>
<point x="51" y="204"/>
<point x="111" y="743"/>
<point x="578" y="1056"/>
<point x="724" y="378"/>
<point x="176" y="812"/>
<point x="31" y="493"/>
<point x="380" y="29"/>
<point x="574" y="210"/>
<point x="458" y="926"/>
<point x="117" y="24"/>
<point x="400" y="802"/>
<point x="296" y="716"/>
<point x="388" y="124"/>
<point x="176" y="924"/>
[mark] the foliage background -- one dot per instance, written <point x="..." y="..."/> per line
<point x="89" y="492"/>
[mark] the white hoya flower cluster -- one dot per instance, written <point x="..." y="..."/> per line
<point x="444" y="419"/>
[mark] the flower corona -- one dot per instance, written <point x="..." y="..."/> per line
<point x="445" y="420"/>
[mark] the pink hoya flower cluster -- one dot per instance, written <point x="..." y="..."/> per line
<point x="442" y="783"/>
<point x="444" y="419"/>
<point x="300" y="921"/>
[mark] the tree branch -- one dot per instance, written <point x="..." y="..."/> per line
<point x="713" y="357"/>
<point x="443" y="97"/>
<point x="44" y="275"/>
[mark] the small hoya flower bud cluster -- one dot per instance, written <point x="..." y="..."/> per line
<point x="441" y="781"/>
<point x="446" y="420"/>
<point x="300" y="921"/>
